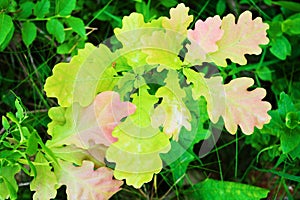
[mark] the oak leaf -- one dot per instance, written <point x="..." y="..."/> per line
<point x="243" y="37"/>
<point x="87" y="126"/>
<point x="245" y="108"/>
<point x="171" y="113"/>
<point x="84" y="182"/>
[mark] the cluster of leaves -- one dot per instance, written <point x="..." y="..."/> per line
<point x="55" y="15"/>
<point x="88" y="122"/>
<point x="22" y="146"/>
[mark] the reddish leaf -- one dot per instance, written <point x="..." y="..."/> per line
<point x="86" y="183"/>
<point x="87" y="126"/>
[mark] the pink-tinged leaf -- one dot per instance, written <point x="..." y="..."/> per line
<point x="207" y="33"/>
<point x="179" y="19"/>
<point x="203" y="39"/>
<point x="211" y="88"/>
<point x="87" y="126"/>
<point x="240" y="39"/>
<point x="245" y="108"/>
<point x="171" y="113"/>
<point x="86" y="183"/>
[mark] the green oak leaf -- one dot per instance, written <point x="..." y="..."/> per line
<point x="70" y="81"/>
<point x="179" y="19"/>
<point x="130" y="35"/>
<point x="181" y="153"/>
<point x="161" y="49"/>
<point x="108" y="81"/>
<point x="44" y="184"/>
<point x="132" y="80"/>
<point x="136" y="153"/>
<point x="125" y="85"/>
<point x="211" y="88"/>
<point x="133" y="28"/>
<point x="8" y="184"/>
<point x="145" y="106"/>
<point x="76" y="155"/>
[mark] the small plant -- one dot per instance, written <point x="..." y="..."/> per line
<point x="154" y="72"/>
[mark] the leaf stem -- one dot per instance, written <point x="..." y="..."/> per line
<point x="236" y="155"/>
<point x="43" y="19"/>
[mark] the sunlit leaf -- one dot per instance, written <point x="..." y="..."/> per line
<point x="136" y="153"/>
<point x="70" y="81"/>
<point x="76" y="155"/>
<point x="172" y="112"/>
<point x="44" y="184"/>
<point x="243" y="37"/>
<point x="211" y="88"/>
<point x="83" y="182"/>
<point x="179" y="19"/>
<point x="203" y="39"/>
<point x="130" y="35"/>
<point x="161" y="49"/>
<point x="87" y="126"/>
<point x="145" y="106"/>
<point x="245" y="108"/>
<point x="8" y="184"/>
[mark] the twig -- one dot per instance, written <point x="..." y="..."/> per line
<point x="143" y="193"/>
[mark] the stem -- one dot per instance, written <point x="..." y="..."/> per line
<point x="236" y="155"/>
<point x="44" y="19"/>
